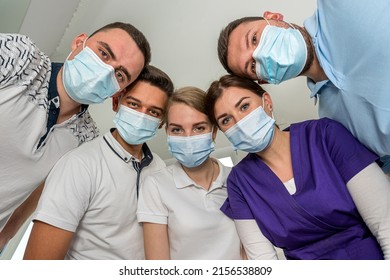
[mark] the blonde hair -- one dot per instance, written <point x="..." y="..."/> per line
<point x="191" y="96"/>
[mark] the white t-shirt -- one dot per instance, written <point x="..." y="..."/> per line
<point x="30" y="140"/>
<point x="92" y="191"/>
<point x="197" y="228"/>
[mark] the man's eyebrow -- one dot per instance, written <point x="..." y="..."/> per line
<point x="133" y="98"/>
<point x="157" y="108"/>
<point x="124" y="70"/>
<point x="247" y="47"/>
<point x="109" y="50"/>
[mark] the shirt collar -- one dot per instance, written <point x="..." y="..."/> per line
<point x="182" y="180"/>
<point x="315" y="88"/>
<point x="125" y="155"/>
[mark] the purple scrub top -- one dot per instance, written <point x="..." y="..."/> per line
<point x="319" y="221"/>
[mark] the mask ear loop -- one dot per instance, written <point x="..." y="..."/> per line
<point x="85" y="42"/>
<point x="292" y="26"/>
<point x="267" y="21"/>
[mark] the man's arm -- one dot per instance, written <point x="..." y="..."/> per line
<point x="47" y="242"/>
<point x="20" y="215"/>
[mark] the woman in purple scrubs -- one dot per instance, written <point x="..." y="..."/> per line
<point x="312" y="190"/>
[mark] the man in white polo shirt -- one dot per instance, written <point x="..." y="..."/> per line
<point x="43" y="107"/>
<point x="88" y="206"/>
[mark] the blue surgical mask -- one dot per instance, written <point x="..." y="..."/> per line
<point x="87" y="79"/>
<point x="253" y="133"/>
<point x="135" y="127"/>
<point x="280" y="55"/>
<point x="191" y="151"/>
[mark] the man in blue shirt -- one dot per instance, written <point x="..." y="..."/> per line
<point x="342" y="51"/>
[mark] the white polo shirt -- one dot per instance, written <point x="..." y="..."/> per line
<point x="30" y="140"/>
<point x="92" y="191"/>
<point x="197" y="228"/>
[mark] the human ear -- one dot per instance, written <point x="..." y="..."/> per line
<point x="267" y="102"/>
<point x="78" y="40"/>
<point x="116" y="99"/>
<point x="271" y="15"/>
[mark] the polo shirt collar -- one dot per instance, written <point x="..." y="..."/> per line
<point x="182" y="180"/>
<point x="315" y="88"/>
<point x="125" y="155"/>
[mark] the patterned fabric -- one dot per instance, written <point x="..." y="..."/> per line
<point x="23" y="64"/>
<point x="31" y="140"/>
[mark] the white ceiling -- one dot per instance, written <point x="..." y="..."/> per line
<point x="183" y="36"/>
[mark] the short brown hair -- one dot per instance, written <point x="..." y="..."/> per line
<point x="134" y="33"/>
<point x="155" y="77"/>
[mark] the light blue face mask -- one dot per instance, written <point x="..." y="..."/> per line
<point x="191" y="151"/>
<point x="253" y="133"/>
<point x="280" y="55"/>
<point x="135" y="127"/>
<point x="87" y="79"/>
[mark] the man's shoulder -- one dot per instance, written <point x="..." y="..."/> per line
<point x="84" y="128"/>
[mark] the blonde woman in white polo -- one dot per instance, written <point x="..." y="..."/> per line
<point x="179" y="206"/>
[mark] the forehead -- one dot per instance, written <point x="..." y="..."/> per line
<point x="239" y="49"/>
<point x="231" y="96"/>
<point x="147" y="94"/>
<point x="182" y="114"/>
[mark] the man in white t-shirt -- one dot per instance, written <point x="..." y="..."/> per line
<point x="88" y="207"/>
<point x="44" y="107"/>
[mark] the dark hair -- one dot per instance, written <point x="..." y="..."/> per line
<point x="138" y="37"/>
<point x="156" y="77"/>
<point x="217" y="88"/>
<point x="223" y="39"/>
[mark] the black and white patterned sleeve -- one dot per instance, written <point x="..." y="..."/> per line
<point x="21" y="62"/>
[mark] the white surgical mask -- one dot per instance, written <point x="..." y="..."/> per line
<point x="280" y="55"/>
<point x="191" y="151"/>
<point x="135" y="127"/>
<point x="253" y="133"/>
<point x="87" y="79"/>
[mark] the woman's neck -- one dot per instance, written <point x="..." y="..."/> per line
<point x="278" y="155"/>
<point x="205" y="174"/>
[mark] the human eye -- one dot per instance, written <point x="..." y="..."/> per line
<point x="119" y="76"/>
<point x="253" y="66"/>
<point x="244" y="107"/>
<point x="104" y="55"/>
<point x="133" y="105"/>
<point x="199" y="129"/>
<point x="175" y="130"/>
<point x="155" y="113"/>
<point x="224" y="121"/>
<point x="254" y="39"/>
